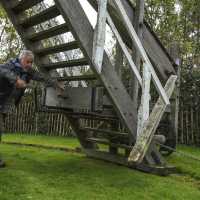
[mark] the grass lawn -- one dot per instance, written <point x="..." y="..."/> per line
<point x="41" y="174"/>
<point x="54" y="141"/>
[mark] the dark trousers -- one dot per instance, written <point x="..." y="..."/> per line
<point x="2" y="122"/>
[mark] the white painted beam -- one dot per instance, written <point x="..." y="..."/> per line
<point x="143" y="113"/>
<point x="144" y="140"/>
<point x="141" y="49"/>
<point x="124" y="49"/>
<point x="100" y="35"/>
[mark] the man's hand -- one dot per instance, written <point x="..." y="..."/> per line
<point x="60" y="88"/>
<point x="20" y="83"/>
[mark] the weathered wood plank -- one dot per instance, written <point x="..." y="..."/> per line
<point x="70" y="98"/>
<point x="138" y="25"/>
<point x="58" y="48"/>
<point x="107" y="142"/>
<point x="63" y="64"/>
<point x="107" y="132"/>
<point x="78" y="78"/>
<point x="119" y="57"/>
<point x="43" y="16"/>
<point x="144" y="140"/>
<point x="140" y="48"/>
<point x="160" y="58"/>
<point x="100" y="35"/>
<point x="125" y="50"/>
<point x="20" y="6"/>
<point x="159" y="170"/>
<point x="57" y="30"/>
<point x="143" y="113"/>
<point x="83" y="32"/>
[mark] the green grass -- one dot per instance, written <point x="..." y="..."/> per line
<point x="37" y="173"/>
<point x="67" y="142"/>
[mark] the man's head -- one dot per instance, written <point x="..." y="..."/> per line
<point x="26" y="58"/>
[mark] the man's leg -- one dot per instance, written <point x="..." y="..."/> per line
<point x="2" y="163"/>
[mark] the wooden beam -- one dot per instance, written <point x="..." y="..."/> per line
<point x="138" y="25"/>
<point x="140" y="48"/>
<point x="122" y="160"/>
<point x="107" y="142"/>
<point x="57" y="30"/>
<point x="144" y="140"/>
<point x="107" y="132"/>
<point x="160" y="58"/>
<point x="20" y="6"/>
<point x="43" y="16"/>
<point x="143" y="113"/>
<point x="83" y="32"/>
<point x="125" y="50"/>
<point x="100" y="35"/>
<point x="119" y="57"/>
<point x="78" y="78"/>
<point x="57" y="48"/>
<point x="63" y="64"/>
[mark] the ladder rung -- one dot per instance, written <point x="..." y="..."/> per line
<point x="63" y="64"/>
<point x="59" y="48"/>
<point x="43" y="16"/>
<point x="57" y="30"/>
<point x="78" y="78"/>
<point x="108" y="132"/>
<point x="23" y="5"/>
<point x="105" y="141"/>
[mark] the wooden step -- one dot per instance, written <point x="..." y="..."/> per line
<point x="56" y="49"/>
<point x="80" y="115"/>
<point x="106" y="132"/>
<point x="20" y="6"/>
<point x="107" y="142"/>
<point x="64" y="64"/>
<point x="57" y="30"/>
<point x="43" y="16"/>
<point x="78" y="78"/>
<point x="93" y="116"/>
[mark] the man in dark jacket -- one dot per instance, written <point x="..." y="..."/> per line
<point x="14" y="77"/>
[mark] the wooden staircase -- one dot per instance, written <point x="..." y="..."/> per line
<point x="109" y="92"/>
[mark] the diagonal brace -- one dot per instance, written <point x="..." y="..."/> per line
<point x="144" y="140"/>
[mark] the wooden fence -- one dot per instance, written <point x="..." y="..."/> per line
<point x="189" y="125"/>
<point x="26" y="120"/>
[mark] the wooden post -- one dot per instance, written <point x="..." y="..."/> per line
<point x="192" y="124"/>
<point x="143" y="113"/>
<point x="138" y="23"/>
<point x="175" y="54"/>
<point x="119" y="60"/>
<point x="100" y="35"/>
<point x="141" y="49"/>
<point x="144" y="140"/>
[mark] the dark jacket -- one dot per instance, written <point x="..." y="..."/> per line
<point x="8" y="76"/>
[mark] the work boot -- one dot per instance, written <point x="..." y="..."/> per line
<point x="2" y="163"/>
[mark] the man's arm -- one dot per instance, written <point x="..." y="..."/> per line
<point x="37" y="76"/>
<point x="6" y="72"/>
<point x="49" y="81"/>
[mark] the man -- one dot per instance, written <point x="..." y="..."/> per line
<point x="14" y="77"/>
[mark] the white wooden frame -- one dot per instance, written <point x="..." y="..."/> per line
<point x="100" y="35"/>
<point x="148" y="70"/>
